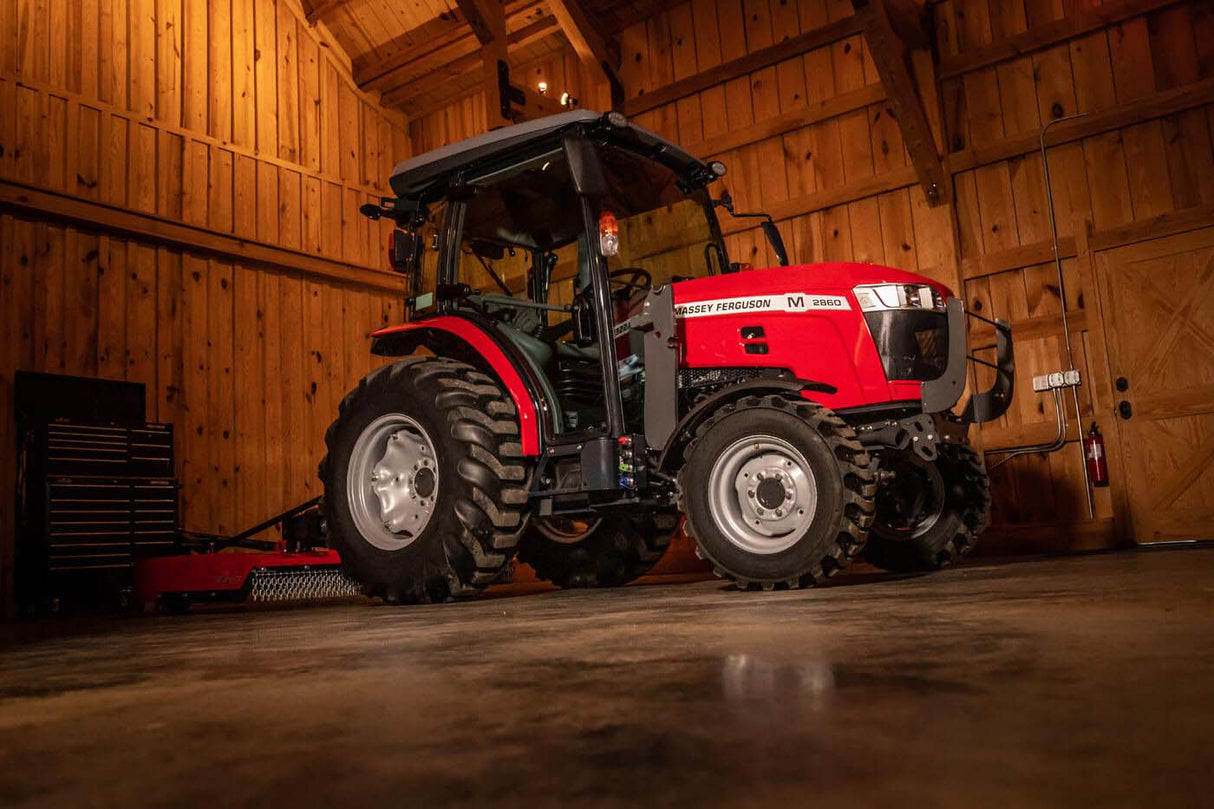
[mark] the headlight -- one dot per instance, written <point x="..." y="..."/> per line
<point x="878" y="297"/>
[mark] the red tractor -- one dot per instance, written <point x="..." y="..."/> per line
<point x="584" y="364"/>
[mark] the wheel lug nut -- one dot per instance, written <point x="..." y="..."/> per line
<point x="750" y="493"/>
<point x="779" y="513"/>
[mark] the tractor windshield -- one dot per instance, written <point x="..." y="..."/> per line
<point x="663" y="229"/>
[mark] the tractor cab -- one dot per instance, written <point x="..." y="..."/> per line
<point x="551" y="241"/>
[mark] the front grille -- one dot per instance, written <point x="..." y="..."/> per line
<point x="913" y="344"/>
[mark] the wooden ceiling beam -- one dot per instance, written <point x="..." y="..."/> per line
<point x="433" y="44"/>
<point x="594" y="50"/>
<point x="488" y="21"/>
<point x="409" y="47"/>
<point x="909" y="20"/>
<point x="889" y="52"/>
<point x="505" y="103"/>
<point x="435" y="95"/>
<point x="317" y="10"/>
<point x="440" y="70"/>
<point x="487" y="18"/>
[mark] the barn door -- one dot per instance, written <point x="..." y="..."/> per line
<point x="1159" y="310"/>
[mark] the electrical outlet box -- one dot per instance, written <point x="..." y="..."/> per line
<point x="1055" y="380"/>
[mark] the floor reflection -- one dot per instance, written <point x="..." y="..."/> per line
<point x="749" y="682"/>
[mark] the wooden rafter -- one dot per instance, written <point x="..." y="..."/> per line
<point x="452" y="75"/>
<point x="487" y="18"/>
<point x="595" y="50"/>
<point x="317" y="10"/>
<point x="445" y="46"/>
<point x="504" y="103"/>
<point x="890" y="52"/>
<point x="371" y="73"/>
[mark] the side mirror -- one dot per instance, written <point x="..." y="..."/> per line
<point x="775" y="240"/>
<point x="768" y="224"/>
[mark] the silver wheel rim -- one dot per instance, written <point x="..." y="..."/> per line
<point x="392" y="481"/>
<point x="762" y="494"/>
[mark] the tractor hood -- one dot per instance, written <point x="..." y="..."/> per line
<point x="807" y="321"/>
<point x="832" y="278"/>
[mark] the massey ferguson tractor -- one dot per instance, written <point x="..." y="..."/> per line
<point x="584" y="364"/>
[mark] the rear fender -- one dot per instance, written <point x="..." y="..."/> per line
<point x="462" y="340"/>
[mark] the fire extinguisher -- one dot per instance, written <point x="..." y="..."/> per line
<point x="1093" y="450"/>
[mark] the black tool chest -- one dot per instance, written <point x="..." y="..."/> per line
<point x="93" y="498"/>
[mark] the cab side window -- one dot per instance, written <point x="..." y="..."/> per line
<point x="428" y="240"/>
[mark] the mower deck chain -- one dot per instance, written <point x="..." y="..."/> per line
<point x="301" y="584"/>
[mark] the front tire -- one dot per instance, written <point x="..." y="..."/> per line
<point x="777" y="492"/>
<point x="602" y="552"/>
<point x="933" y="512"/>
<point x="424" y="481"/>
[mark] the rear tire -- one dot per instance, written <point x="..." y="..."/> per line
<point x="794" y="534"/>
<point x="955" y="497"/>
<point x="470" y="506"/>
<point x="606" y="552"/>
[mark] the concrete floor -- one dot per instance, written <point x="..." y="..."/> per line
<point x="1077" y="681"/>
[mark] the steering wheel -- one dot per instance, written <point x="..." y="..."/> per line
<point x="637" y="278"/>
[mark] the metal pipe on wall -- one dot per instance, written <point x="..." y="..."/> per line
<point x="1059" y="407"/>
<point x="1066" y="328"/>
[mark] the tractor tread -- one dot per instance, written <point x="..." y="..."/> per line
<point x="859" y="484"/>
<point x="619" y="550"/>
<point x="482" y="419"/>
<point x="935" y="550"/>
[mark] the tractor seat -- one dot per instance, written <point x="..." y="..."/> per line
<point x="573" y="351"/>
<point x="537" y="351"/>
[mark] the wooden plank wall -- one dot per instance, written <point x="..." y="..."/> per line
<point x="1145" y="159"/>
<point x="809" y="138"/>
<point x="231" y="117"/>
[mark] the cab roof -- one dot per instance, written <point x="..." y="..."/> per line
<point x="413" y="177"/>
